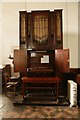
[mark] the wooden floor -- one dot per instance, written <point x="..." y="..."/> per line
<point x="8" y="110"/>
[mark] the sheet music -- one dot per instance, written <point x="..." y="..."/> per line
<point x="45" y="59"/>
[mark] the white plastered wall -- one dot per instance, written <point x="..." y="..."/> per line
<point x="0" y="33"/>
<point x="79" y="35"/>
<point x="72" y="33"/>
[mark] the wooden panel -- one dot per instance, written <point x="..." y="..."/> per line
<point x="75" y="70"/>
<point x="78" y="79"/>
<point x="62" y="66"/>
<point x="52" y="32"/>
<point x="23" y="29"/>
<point x="58" y="29"/>
<point x="29" y="31"/>
<point x="62" y="60"/>
<point x="20" y="61"/>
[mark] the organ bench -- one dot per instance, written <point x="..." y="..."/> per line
<point x="42" y="80"/>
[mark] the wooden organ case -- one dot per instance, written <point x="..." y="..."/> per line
<point x="41" y="42"/>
